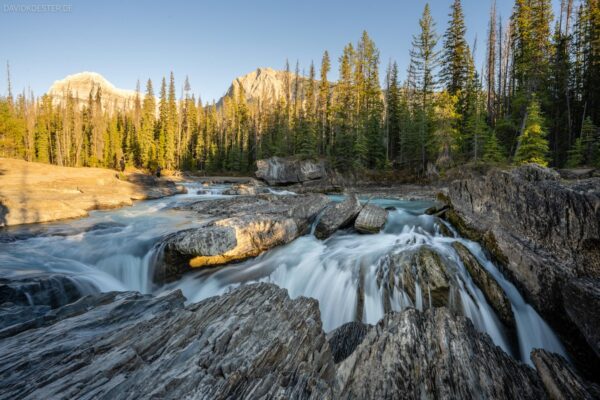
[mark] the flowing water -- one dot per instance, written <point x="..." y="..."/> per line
<point x="115" y="250"/>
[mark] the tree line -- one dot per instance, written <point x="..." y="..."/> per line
<point x="535" y="99"/>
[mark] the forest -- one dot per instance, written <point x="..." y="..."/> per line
<point x="535" y="99"/>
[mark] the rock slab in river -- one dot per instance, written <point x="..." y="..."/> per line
<point x="345" y="339"/>
<point x="337" y="216"/>
<point x="488" y="285"/>
<point x="414" y="355"/>
<point x="241" y="228"/>
<point x="288" y="170"/>
<point x="371" y="219"/>
<point x="253" y="342"/>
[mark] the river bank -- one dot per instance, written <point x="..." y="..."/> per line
<point x="34" y="192"/>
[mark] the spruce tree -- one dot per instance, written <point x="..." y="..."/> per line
<point x="533" y="146"/>
<point x="323" y="106"/>
<point x="147" y="140"/>
<point x="455" y="52"/>
<point x="492" y="150"/>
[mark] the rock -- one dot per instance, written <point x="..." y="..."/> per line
<point x="371" y="219"/>
<point x="560" y="379"/>
<point x="35" y="192"/>
<point x="345" y="339"/>
<point x="253" y="342"/>
<point x="281" y="171"/>
<point x="244" y="227"/>
<point x="488" y="285"/>
<point x="245" y="189"/>
<point x="576" y="173"/>
<point x="581" y="299"/>
<point x="432" y="354"/>
<point x="338" y="216"/>
<point x="425" y="268"/>
<point x="53" y="290"/>
<point x="541" y="231"/>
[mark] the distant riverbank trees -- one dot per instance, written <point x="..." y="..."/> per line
<point x="536" y="99"/>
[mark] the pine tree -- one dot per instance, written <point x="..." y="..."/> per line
<point x="147" y="143"/>
<point x="393" y="113"/>
<point x="533" y="146"/>
<point x="172" y="126"/>
<point x="323" y="106"/>
<point x="343" y="135"/>
<point x="492" y="150"/>
<point x="456" y="52"/>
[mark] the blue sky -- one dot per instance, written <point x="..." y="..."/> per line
<point x="210" y="41"/>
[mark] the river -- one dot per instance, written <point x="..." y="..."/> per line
<point x="115" y="250"/>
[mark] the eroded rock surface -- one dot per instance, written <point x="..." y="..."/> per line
<point x="414" y="355"/>
<point x="337" y="216"/>
<point x="371" y="219"/>
<point x="582" y="302"/>
<point x="253" y="342"/>
<point x="488" y="285"/>
<point x="345" y="339"/>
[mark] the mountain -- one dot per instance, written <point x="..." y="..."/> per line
<point x="80" y="85"/>
<point x="265" y="84"/>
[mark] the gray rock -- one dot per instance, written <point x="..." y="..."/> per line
<point x="338" y="216"/>
<point x="542" y="232"/>
<point x="581" y="299"/>
<point x="281" y="171"/>
<point x="246" y="189"/>
<point x="371" y="219"/>
<point x="576" y="173"/>
<point x="488" y="285"/>
<point x="559" y="378"/>
<point x="414" y="355"/>
<point x="53" y="290"/>
<point x="345" y="339"/>
<point x="253" y="342"/>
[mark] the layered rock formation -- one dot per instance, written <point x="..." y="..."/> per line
<point x="371" y="219"/>
<point x="338" y="216"/>
<point x="254" y="342"/>
<point x="542" y="231"/>
<point x="286" y="171"/>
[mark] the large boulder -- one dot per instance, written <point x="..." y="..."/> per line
<point x="253" y="342"/>
<point x="582" y="302"/>
<point x="432" y="354"/>
<point x="542" y="232"/>
<point x="238" y="229"/>
<point x="338" y="216"/>
<point x="488" y="285"/>
<point x="371" y="219"/>
<point x="285" y="171"/>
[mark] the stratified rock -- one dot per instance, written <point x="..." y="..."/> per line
<point x="53" y="290"/>
<point x="244" y="227"/>
<point x="581" y="299"/>
<point x="371" y="219"/>
<point x="282" y="171"/>
<point x="541" y="231"/>
<point x="414" y="355"/>
<point x="488" y="285"/>
<point x="338" y="216"/>
<point x="345" y="339"/>
<point x="253" y="342"/>
<point x="426" y="269"/>
<point x="560" y="379"/>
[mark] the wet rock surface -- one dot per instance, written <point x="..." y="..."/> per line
<point x="238" y="228"/>
<point x="337" y="216"/>
<point x="490" y="288"/>
<point x="252" y="342"/>
<point x="582" y="303"/>
<point x="559" y="378"/>
<point x="433" y="354"/>
<point x="345" y="339"/>
<point x="371" y="219"/>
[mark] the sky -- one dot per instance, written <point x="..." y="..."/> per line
<point x="211" y="42"/>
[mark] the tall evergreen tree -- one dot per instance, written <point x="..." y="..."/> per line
<point x="533" y="146"/>
<point x="455" y="52"/>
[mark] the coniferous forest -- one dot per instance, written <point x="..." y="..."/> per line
<point x="535" y="99"/>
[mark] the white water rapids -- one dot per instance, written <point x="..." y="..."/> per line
<point x="114" y="250"/>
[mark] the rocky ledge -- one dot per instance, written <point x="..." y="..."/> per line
<point x="33" y="192"/>
<point x="543" y="232"/>
<point x="255" y="342"/>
